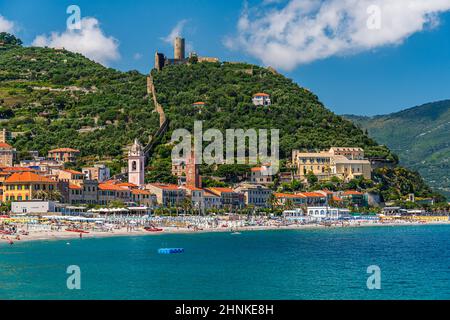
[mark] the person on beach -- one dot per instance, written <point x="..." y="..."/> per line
<point x="81" y="235"/>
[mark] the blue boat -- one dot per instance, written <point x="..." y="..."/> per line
<point x="170" y="250"/>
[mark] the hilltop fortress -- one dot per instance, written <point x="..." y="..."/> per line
<point x="179" y="56"/>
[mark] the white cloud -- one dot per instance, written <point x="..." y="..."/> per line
<point x="137" y="56"/>
<point x="6" y="25"/>
<point x="89" y="41"/>
<point x="177" y="31"/>
<point x="301" y="31"/>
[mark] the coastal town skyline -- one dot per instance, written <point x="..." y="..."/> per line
<point x="397" y="70"/>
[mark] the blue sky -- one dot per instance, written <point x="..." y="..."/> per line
<point x="376" y="80"/>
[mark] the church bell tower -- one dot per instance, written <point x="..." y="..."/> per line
<point x="136" y="164"/>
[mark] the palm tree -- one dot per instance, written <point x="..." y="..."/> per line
<point x="272" y="201"/>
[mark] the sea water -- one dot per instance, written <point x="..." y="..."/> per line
<point x="414" y="263"/>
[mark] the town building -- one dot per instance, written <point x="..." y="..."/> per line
<point x="7" y="154"/>
<point x="23" y="186"/>
<point x="187" y="171"/>
<point x="261" y="99"/>
<point x="33" y="207"/>
<point x="136" y="164"/>
<point x="168" y="195"/>
<point x="261" y="175"/>
<point x="99" y="172"/>
<point x="66" y="155"/>
<point x="108" y="193"/>
<point x="229" y="198"/>
<point x="321" y="213"/>
<point x="332" y="163"/>
<point x="143" y="197"/>
<point x="353" y="197"/>
<point x="211" y="200"/>
<point x="255" y="195"/>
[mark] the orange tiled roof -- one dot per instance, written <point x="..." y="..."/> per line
<point x="27" y="177"/>
<point x="352" y="193"/>
<point x="4" y="145"/>
<point x="288" y="195"/>
<point x="261" y="94"/>
<point x="200" y="103"/>
<point x="192" y="188"/>
<point x="64" y="150"/>
<point x="165" y="186"/>
<point x="312" y="194"/>
<point x="126" y="184"/>
<point x="221" y="189"/>
<point x="110" y="187"/>
<point x="74" y="187"/>
<point x="17" y="169"/>
<point x="337" y="199"/>
<point x="140" y="192"/>
<point x="73" y="172"/>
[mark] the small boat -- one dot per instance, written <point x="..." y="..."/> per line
<point x="170" y="250"/>
<point x="236" y="233"/>
<point x="153" y="229"/>
<point x="77" y="231"/>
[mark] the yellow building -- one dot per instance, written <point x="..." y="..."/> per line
<point x="344" y="163"/>
<point x="23" y="186"/>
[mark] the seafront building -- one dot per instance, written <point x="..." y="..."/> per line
<point x="343" y="163"/>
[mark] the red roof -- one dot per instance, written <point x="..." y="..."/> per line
<point x="27" y="177"/>
<point x="192" y="188"/>
<point x="4" y="145"/>
<point x="73" y="172"/>
<point x="261" y="94"/>
<point x="64" y="150"/>
<point x="74" y="187"/>
<point x="337" y="199"/>
<point x="221" y="190"/>
<point x="110" y="187"/>
<point x="17" y="169"/>
<point x="312" y="195"/>
<point x="352" y="193"/>
<point x="289" y="195"/>
<point x="200" y="103"/>
<point x="140" y="192"/>
<point x="165" y="186"/>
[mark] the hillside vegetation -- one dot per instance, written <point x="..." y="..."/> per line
<point x="55" y="98"/>
<point x="420" y="136"/>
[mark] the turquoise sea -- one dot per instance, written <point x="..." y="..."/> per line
<point x="307" y="264"/>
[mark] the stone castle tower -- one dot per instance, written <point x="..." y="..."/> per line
<point x="179" y="48"/>
<point x="193" y="178"/>
<point x="136" y="164"/>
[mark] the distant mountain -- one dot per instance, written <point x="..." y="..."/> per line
<point x="420" y="136"/>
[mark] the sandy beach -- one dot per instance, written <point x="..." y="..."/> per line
<point x="125" y="232"/>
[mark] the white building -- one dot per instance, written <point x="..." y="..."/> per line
<point x="326" y="213"/>
<point x="261" y="99"/>
<point x="33" y="207"/>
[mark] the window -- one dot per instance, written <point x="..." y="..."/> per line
<point x="134" y="166"/>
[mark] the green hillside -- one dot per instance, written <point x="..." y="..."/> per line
<point x="54" y="98"/>
<point x="420" y="136"/>
<point x="51" y="98"/>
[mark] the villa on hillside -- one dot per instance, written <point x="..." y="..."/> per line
<point x="261" y="99"/>
<point x="343" y="163"/>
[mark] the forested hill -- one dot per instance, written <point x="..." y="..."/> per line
<point x="420" y="136"/>
<point x="54" y="98"/>
<point x="227" y="90"/>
